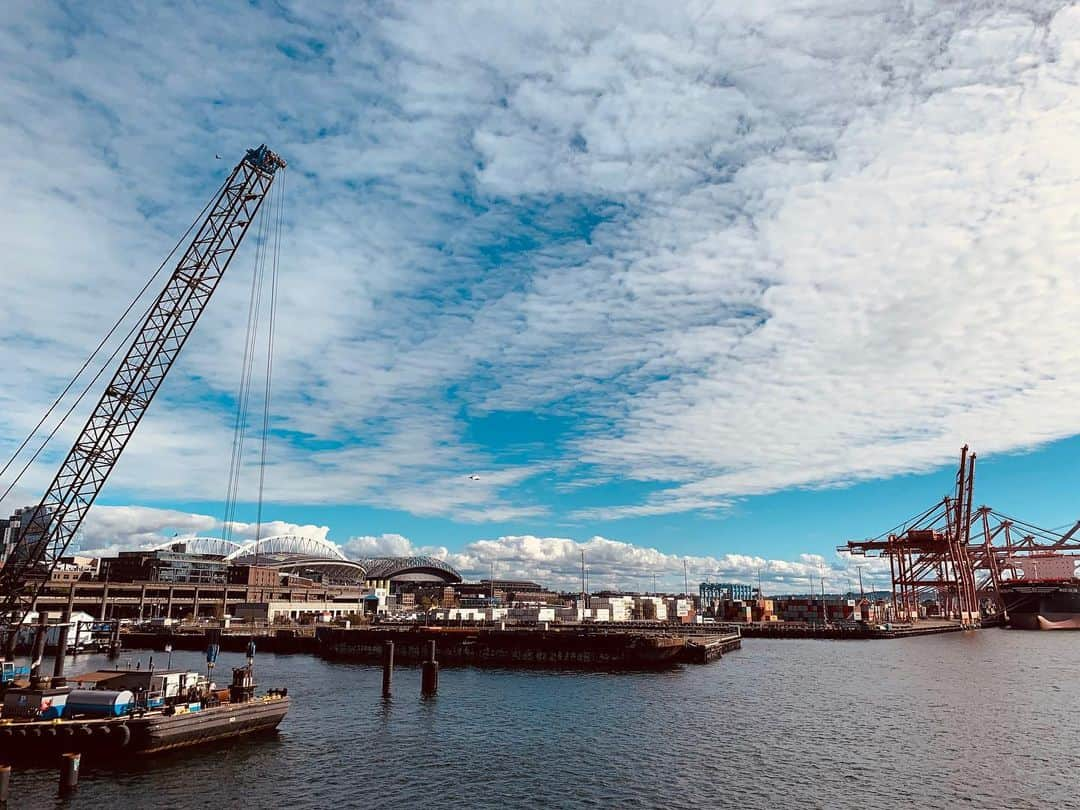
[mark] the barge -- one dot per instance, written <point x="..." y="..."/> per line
<point x="520" y="647"/>
<point x="117" y="714"/>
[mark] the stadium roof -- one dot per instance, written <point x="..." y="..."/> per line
<point x="294" y="554"/>
<point x="418" y="569"/>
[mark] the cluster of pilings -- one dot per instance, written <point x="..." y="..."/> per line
<point x="429" y="671"/>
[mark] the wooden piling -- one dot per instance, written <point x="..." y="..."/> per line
<point x="61" y="651"/>
<point x="387" y="667"/>
<point x="429" y="673"/>
<point x="114" y="639"/>
<point x="69" y="773"/>
<point x="39" y="649"/>
<point x="5" y="784"/>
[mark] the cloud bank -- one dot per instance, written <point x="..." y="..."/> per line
<point x="738" y="248"/>
<point x="552" y="561"/>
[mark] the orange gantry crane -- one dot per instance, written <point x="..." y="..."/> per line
<point x="958" y="556"/>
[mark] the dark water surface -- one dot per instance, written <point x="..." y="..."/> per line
<point x="988" y="719"/>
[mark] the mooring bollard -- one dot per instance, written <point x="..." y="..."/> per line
<point x="387" y="667"/>
<point x="5" y="784"/>
<point x="429" y="673"/>
<point x="69" y="773"/>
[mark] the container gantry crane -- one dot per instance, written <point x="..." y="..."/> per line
<point x="164" y="330"/>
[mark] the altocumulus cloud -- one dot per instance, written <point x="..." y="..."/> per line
<point x="747" y="246"/>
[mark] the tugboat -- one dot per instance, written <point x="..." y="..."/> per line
<point x="111" y="714"/>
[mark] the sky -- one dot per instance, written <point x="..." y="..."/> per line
<point x="660" y="282"/>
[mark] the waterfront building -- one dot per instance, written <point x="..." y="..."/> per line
<point x="278" y="610"/>
<point x="80" y="633"/>
<point x="166" y="566"/>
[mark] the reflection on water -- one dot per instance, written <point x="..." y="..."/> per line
<point x="987" y="719"/>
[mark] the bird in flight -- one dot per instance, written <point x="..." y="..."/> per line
<point x="474" y="477"/>
<point x="217" y="157"/>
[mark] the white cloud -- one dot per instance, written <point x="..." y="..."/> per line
<point x="614" y="564"/>
<point x="109" y="529"/>
<point x="830" y="241"/>
<point x="552" y="561"/>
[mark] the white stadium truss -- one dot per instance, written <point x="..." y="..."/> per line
<point x="200" y="545"/>
<point x="296" y="553"/>
<point x="288" y="544"/>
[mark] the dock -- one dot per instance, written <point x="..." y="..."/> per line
<point x="706" y="649"/>
<point x="523" y="647"/>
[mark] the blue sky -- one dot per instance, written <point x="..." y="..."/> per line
<point x="725" y="284"/>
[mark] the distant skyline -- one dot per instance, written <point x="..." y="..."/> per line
<point x="663" y="282"/>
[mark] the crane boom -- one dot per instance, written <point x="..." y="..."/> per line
<point x="162" y="335"/>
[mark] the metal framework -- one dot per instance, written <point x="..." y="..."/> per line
<point x="388" y="567"/>
<point x="162" y="335"/>
<point x="959" y="557"/>
<point x="288" y="545"/>
<point x="211" y="546"/>
<point x="1000" y="546"/>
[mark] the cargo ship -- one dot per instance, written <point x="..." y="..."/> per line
<point x="1042" y="604"/>
<point x="1044" y="594"/>
<point x="117" y="714"/>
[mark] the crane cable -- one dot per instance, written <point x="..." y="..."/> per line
<point x="107" y="363"/>
<point x="243" y="395"/>
<point x="269" y="242"/>
<point x="269" y="360"/>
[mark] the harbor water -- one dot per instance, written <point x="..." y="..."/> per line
<point x="984" y="719"/>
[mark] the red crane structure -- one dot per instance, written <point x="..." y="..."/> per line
<point x="164" y="330"/>
<point x="958" y="557"/>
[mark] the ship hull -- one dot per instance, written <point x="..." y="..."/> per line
<point x="1042" y="605"/>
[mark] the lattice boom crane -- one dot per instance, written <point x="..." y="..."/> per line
<point x="162" y="335"/>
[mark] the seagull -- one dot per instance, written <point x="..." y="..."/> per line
<point x="474" y="477"/>
<point x="217" y="157"/>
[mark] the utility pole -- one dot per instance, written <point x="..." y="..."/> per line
<point x="583" y="586"/>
